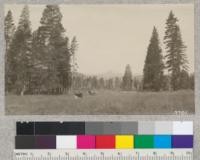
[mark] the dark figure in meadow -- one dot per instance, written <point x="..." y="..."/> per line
<point x="91" y="92"/>
<point x="78" y="95"/>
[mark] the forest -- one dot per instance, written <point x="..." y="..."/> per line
<point x="43" y="61"/>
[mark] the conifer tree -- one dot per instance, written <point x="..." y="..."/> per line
<point x="153" y="68"/>
<point x="73" y="48"/>
<point x="9" y="30"/>
<point x="192" y="81"/>
<point x="73" y="62"/>
<point x="20" y="51"/>
<point x="127" y="79"/>
<point x="117" y="83"/>
<point x="102" y="83"/>
<point x="176" y="59"/>
<point x="185" y="80"/>
<point x="52" y="49"/>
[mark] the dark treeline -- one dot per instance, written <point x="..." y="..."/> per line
<point x="44" y="61"/>
<point x="82" y="82"/>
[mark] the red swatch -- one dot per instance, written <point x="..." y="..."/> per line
<point x="105" y="142"/>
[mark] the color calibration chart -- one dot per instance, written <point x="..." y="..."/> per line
<point x="161" y="140"/>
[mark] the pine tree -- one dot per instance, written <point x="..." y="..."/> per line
<point x="73" y="48"/>
<point x="94" y="82"/>
<point x="9" y="30"/>
<point x="60" y="55"/>
<point x="127" y="79"/>
<point x="102" y="83"/>
<point x="153" y="68"/>
<point x="185" y="80"/>
<point x="20" y="51"/>
<point x="53" y="52"/>
<point x="176" y="59"/>
<point x="117" y="83"/>
<point x="110" y="83"/>
<point x="192" y="81"/>
<point x="74" y="65"/>
<point x="136" y="84"/>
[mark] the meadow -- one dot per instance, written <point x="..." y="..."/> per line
<point x="104" y="102"/>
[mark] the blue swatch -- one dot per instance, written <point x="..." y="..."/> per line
<point x="162" y="141"/>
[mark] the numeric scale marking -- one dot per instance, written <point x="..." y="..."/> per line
<point x="137" y="154"/>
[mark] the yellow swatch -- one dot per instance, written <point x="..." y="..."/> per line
<point x="124" y="141"/>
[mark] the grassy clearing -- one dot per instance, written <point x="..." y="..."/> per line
<point x="104" y="102"/>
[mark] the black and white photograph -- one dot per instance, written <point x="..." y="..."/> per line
<point x="99" y="59"/>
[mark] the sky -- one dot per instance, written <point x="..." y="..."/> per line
<point x="112" y="36"/>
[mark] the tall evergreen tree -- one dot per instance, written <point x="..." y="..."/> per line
<point x="73" y="62"/>
<point x="127" y="79"/>
<point x="9" y="30"/>
<point x="153" y="68"/>
<point x="102" y="83"/>
<point x="20" y="51"/>
<point x="111" y="83"/>
<point x="73" y="48"/>
<point x="176" y="59"/>
<point x="117" y="84"/>
<point x="185" y="80"/>
<point x="192" y="81"/>
<point x="52" y="49"/>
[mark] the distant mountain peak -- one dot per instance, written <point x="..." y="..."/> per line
<point x="109" y="74"/>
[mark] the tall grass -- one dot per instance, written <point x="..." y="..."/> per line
<point x="104" y="102"/>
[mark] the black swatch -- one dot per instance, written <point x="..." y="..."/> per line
<point x="57" y="128"/>
<point x="24" y="128"/>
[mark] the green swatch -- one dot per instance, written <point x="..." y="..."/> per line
<point x="144" y="141"/>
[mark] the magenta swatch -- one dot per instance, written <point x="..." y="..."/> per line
<point x="85" y="141"/>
